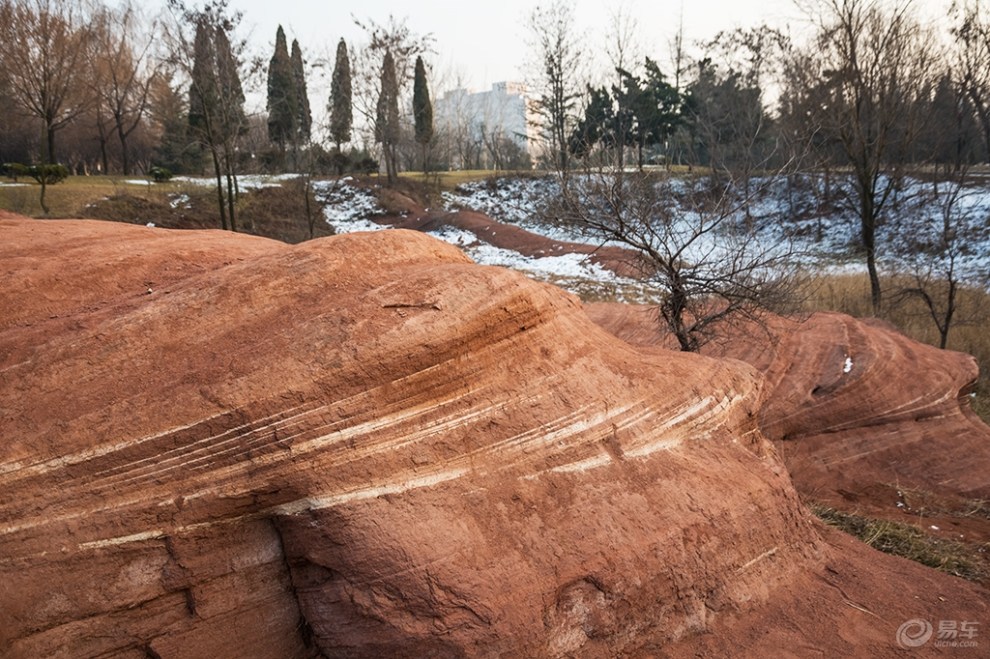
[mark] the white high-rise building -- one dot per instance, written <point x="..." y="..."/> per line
<point x="489" y="129"/>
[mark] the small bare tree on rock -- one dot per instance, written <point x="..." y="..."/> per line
<point x="708" y="265"/>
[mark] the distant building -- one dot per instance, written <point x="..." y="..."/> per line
<point x="495" y="129"/>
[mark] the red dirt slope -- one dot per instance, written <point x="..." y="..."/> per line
<point x="368" y="446"/>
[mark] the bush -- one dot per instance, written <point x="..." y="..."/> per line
<point x="364" y="164"/>
<point x="14" y="170"/>
<point x="160" y="174"/>
<point x="355" y="161"/>
<point x="48" y="174"/>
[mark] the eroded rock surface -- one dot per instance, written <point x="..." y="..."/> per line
<point x="216" y="445"/>
<point x="853" y="404"/>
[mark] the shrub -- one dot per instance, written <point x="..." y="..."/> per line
<point x="14" y="170"/>
<point x="48" y="174"/>
<point x="364" y="164"/>
<point x="160" y="174"/>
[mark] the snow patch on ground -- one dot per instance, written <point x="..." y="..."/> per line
<point x="179" y="201"/>
<point x="348" y="208"/>
<point x="571" y="266"/>
<point x="246" y="182"/>
<point x="522" y="201"/>
<point x="781" y="214"/>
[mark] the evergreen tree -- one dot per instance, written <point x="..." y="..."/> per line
<point x="387" y="117"/>
<point x="169" y="112"/>
<point x="231" y="91"/>
<point x="304" y="118"/>
<point x="216" y="103"/>
<point x="341" y="114"/>
<point x="598" y="125"/>
<point x="203" y="92"/>
<point x="422" y="109"/>
<point x="640" y="112"/>
<point x="951" y="136"/>
<point x="655" y="105"/>
<point x="283" y="105"/>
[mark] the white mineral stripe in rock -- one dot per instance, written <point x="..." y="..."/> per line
<point x="96" y="452"/>
<point x="122" y="540"/>
<point x="209" y="446"/>
<point x="587" y="464"/>
<point x="329" y="501"/>
<point x="700" y="412"/>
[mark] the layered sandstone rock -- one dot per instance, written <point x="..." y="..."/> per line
<point x="216" y="445"/>
<point x="852" y="404"/>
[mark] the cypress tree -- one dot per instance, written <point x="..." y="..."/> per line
<point x="341" y="115"/>
<point x="387" y="116"/>
<point x="304" y="118"/>
<point x="283" y="106"/>
<point x="231" y="91"/>
<point x="203" y="93"/>
<point x="422" y="109"/>
<point x="233" y="119"/>
<point x="216" y="105"/>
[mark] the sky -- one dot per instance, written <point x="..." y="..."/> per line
<point x="480" y="43"/>
<point x="485" y="42"/>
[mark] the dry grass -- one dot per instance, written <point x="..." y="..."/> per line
<point x="850" y="294"/>
<point x="275" y="212"/>
<point x="72" y="197"/>
<point x="956" y="558"/>
<point x="924" y="503"/>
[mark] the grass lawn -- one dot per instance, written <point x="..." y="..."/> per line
<point x="72" y="197"/>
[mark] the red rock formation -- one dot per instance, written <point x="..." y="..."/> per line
<point x="216" y="445"/>
<point x="853" y="405"/>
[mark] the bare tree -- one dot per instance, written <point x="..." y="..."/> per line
<point x="122" y="53"/>
<point x="708" y="267"/>
<point x="367" y="62"/>
<point x="874" y="62"/>
<point x="45" y="44"/>
<point x="556" y="77"/>
<point x="972" y="35"/>
<point x="622" y="40"/>
<point x="939" y="238"/>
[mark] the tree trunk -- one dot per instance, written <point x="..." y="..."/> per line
<point x="391" y="170"/>
<point x="868" y="224"/>
<point x="50" y="138"/>
<point x="104" y="157"/>
<point x="219" y="175"/>
<point x="124" y="161"/>
<point x="871" y="268"/>
<point x="950" y="310"/>
<point x="231" y="197"/>
<point x="44" y="206"/>
<point x="310" y="219"/>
